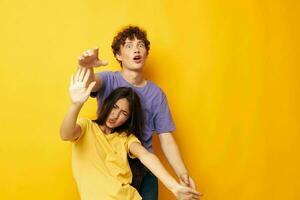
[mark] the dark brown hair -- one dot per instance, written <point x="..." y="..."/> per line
<point x="135" y="123"/>
<point x="129" y="32"/>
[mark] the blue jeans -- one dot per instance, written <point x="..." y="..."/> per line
<point x="149" y="187"/>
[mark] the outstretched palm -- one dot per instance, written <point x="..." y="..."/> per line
<point x="79" y="92"/>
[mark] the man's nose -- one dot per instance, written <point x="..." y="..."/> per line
<point x="136" y="49"/>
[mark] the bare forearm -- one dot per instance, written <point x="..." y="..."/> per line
<point x="68" y="126"/>
<point x="98" y="84"/>
<point x="155" y="166"/>
<point x="172" y="154"/>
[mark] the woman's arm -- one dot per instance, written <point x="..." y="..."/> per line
<point x="69" y="130"/>
<point x="155" y="166"/>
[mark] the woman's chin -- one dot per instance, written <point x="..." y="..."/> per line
<point x="110" y="126"/>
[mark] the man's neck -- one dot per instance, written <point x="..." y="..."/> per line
<point x="135" y="78"/>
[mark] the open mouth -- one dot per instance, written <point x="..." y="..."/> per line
<point x="137" y="58"/>
<point x="111" y="121"/>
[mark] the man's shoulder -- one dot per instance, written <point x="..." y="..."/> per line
<point x="156" y="89"/>
<point x="108" y="73"/>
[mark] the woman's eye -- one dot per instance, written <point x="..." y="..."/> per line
<point x="125" y="114"/>
<point x="114" y="106"/>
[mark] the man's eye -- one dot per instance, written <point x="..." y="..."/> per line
<point x="141" y="45"/>
<point x="128" y="46"/>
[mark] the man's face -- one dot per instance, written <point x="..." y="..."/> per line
<point x="133" y="54"/>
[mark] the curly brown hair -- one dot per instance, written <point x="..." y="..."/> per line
<point x="129" y="32"/>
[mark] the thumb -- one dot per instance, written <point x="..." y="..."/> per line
<point x="101" y="63"/>
<point x="91" y="85"/>
<point x="96" y="51"/>
<point x="185" y="178"/>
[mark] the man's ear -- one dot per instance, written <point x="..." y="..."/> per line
<point x="119" y="58"/>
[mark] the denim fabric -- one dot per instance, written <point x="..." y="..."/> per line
<point x="149" y="187"/>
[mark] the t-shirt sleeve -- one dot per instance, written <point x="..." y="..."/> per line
<point x="83" y="123"/>
<point x="131" y="139"/>
<point x="163" y="121"/>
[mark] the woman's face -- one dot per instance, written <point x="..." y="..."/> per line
<point x="119" y="114"/>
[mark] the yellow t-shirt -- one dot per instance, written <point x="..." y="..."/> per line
<point x="100" y="165"/>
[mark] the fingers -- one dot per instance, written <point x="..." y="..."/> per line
<point x="81" y="75"/>
<point x="103" y="62"/>
<point x="89" y="89"/>
<point x="194" y="192"/>
<point x="77" y="74"/>
<point x="89" y="59"/>
<point x="192" y="184"/>
<point x="89" y="53"/>
<point x="86" y="76"/>
<point x="189" y="197"/>
<point x="184" y="179"/>
<point x="96" y="51"/>
<point x="100" y="62"/>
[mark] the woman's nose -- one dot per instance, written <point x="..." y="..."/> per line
<point x="115" y="115"/>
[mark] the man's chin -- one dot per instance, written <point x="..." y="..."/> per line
<point x="136" y="68"/>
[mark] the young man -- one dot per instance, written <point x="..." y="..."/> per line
<point x="131" y="48"/>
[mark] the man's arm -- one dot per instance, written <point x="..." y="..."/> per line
<point x="97" y="79"/>
<point x="171" y="151"/>
<point x="156" y="167"/>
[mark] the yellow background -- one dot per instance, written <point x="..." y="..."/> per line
<point x="230" y="70"/>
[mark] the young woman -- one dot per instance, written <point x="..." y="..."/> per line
<point x="100" y="147"/>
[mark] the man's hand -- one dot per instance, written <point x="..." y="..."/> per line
<point x="185" y="193"/>
<point x="89" y="59"/>
<point x="186" y="180"/>
<point x="78" y="91"/>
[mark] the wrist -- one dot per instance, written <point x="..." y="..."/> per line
<point x="174" y="187"/>
<point x="76" y="105"/>
<point x="182" y="174"/>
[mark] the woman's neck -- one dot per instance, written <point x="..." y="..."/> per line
<point x="105" y="129"/>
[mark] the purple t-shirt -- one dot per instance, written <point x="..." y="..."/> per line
<point x="154" y="104"/>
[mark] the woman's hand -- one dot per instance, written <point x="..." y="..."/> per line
<point x="79" y="92"/>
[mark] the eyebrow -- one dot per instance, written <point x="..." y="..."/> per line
<point x="140" y="41"/>
<point x="121" y="109"/>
